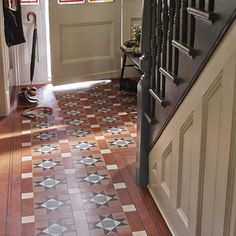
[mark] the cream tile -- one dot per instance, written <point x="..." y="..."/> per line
<point x="133" y="135"/>
<point x="128" y="208"/>
<point x="27" y="195"/>
<point x="91" y="116"/>
<point x="116" y="104"/>
<point x="128" y="123"/>
<point x="27" y="219"/>
<point x="87" y="107"/>
<point x="122" y="113"/>
<point x="95" y="126"/>
<point x="26" y="175"/>
<point x="63" y="141"/>
<point x="63" y="155"/>
<point x="61" y="129"/>
<point x="112" y="167"/>
<point x="83" y="99"/>
<point x="99" y="137"/>
<point x="27" y="158"/>
<point x="26" y="121"/>
<point x="73" y="190"/>
<point x="119" y="185"/>
<point x="105" y="151"/>
<point x="69" y="171"/>
<point x="139" y="233"/>
<point x="58" y="118"/>
<point x="28" y="144"/>
<point x="26" y="132"/>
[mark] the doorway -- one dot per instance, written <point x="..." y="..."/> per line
<point x="85" y="40"/>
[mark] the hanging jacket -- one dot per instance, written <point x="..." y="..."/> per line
<point x="12" y="22"/>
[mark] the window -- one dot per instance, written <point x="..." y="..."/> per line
<point x="29" y="1"/>
<point x="81" y="1"/>
<point x="95" y="1"/>
<point x="70" y="1"/>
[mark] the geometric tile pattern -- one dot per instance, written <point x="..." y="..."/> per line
<point x="77" y="165"/>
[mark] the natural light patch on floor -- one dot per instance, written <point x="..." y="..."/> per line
<point x="80" y="85"/>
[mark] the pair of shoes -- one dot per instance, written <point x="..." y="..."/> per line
<point x="30" y="90"/>
<point x="27" y="98"/>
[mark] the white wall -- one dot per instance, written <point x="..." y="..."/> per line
<point x="192" y="166"/>
<point x="4" y="72"/>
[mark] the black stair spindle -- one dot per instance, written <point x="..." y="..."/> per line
<point x="201" y="5"/>
<point x="211" y="5"/>
<point x="176" y="36"/>
<point x="191" y="26"/>
<point x="164" y="46"/>
<point x="159" y="45"/>
<point x="170" y="35"/>
<point x="153" y="81"/>
<point x="184" y="21"/>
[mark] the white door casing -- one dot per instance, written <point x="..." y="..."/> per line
<point x="23" y="52"/>
<point x="85" y="40"/>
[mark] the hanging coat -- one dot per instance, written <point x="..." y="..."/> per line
<point x="12" y="22"/>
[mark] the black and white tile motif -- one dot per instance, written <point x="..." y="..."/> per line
<point x="96" y="94"/>
<point x="109" y="119"/>
<point x="100" y="102"/>
<point x="121" y="142"/>
<point x="42" y="115"/>
<point x="82" y="146"/>
<point x="104" y="110"/>
<point x="47" y="164"/>
<point x="41" y="125"/>
<point x="88" y="161"/>
<point x="109" y="224"/>
<point x="72" y="112"/>
<point x="44" y="136"/>
<point x="71" y="104"/>
<point x="102" y="199"/>
<point x="115" y="130"/>
<point x="55" y="229"/>
<point x="47" y="183"/>
<point x="45" y="149"/>
<point x="68" y="96"/>
<point x="51" y="204"/>
<point x="95" y="178"/>
<point x="81" y="133"/>
<point x="76" y="122"/>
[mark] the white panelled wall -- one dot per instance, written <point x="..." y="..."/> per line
<point x="192" y="166"/>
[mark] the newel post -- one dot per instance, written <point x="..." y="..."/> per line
<point x="143" y="96"/>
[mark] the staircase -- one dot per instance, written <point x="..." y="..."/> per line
<point x="178" y="39"/>
<point x="187" y="114"/>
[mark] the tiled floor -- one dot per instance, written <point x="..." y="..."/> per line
<point x="73" y="172"/>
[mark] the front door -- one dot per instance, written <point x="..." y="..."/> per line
<point x="85" y="40"/>
<point x="23" y="52"/>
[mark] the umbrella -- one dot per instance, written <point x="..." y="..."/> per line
<point x="32" y="62"/>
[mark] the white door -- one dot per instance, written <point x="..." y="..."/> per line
<point x="23" y="52"/>
<point x="85" y="40"/>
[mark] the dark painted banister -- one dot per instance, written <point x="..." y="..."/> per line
<point x="178" y="39"/>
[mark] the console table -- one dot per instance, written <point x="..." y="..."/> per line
<point x="135" y="59"/>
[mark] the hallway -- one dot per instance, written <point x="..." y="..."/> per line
<point x="73" y="172"/>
